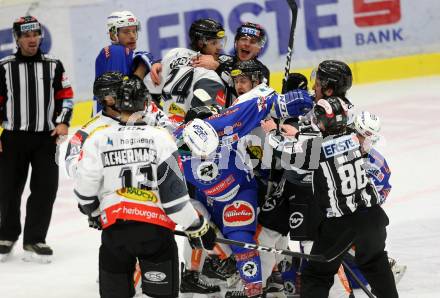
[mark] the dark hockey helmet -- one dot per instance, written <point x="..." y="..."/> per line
<point x="251" y="68"/>
<point x="133" y="95"/>
<point x="332" y="112"/>
<point x="336" y="75"/>
<point x="26" y="24"/>
<point x="296" y="80"/>
<point x="205" y="29"/>
<point x="252" y="30"/>
<point x="108" y="84"/>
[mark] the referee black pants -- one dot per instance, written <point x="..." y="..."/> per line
<point x="370" y="255"/>
<point x="21" y="149"/>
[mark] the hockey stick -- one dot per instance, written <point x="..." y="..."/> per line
<point x="294" y="9"/>
<point x="356" y="279"/>
<point x="341" y="246"/>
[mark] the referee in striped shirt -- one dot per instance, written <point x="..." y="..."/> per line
<point x="35" y="108"/>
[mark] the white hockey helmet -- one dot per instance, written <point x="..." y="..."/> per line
<point x="368" y="125"/>
<point x="200" y="137"/>
<point x="120" y="19"/>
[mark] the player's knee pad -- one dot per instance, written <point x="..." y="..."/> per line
<point x="115" y="285"/>
<point x="160" y="279"/>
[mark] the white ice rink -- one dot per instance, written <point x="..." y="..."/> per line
<point x="410" y="111"/>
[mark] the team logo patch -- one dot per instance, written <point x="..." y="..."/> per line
<point x="76" y="140"/>
<point x="289" y="287"/>
<point x="207" y="171"/>
<point x="256" y="151"/>
<point x="137" y="194"/>
<point x="155" y="276"/>
<point x="107" y="52"/>
<point x="249" y="269"/>
<point x="296" y="219"/>
<point x="239" y="213"/>
<point x="65" y="81"/>
<point x="220" y="98"/>
<point x="261" y="102"/>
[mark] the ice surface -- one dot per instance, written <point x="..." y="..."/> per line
<point x="410" y="112"/>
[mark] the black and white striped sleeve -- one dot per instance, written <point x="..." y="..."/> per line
<point x="173" y="192"/>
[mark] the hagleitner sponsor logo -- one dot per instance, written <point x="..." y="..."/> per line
<point x="128" y="156"/>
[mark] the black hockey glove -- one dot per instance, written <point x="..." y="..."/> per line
<point x="296" y="81"/>
<point x="95" y="222"/>
<point x="202" y="235"/>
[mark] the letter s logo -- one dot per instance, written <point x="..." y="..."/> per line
<point x="376" y="13"/>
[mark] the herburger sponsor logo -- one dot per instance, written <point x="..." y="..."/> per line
<point x="239" y="213"/>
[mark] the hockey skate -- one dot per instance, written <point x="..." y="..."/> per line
<point x="398" y="270"/>
<point x="275" y="286"/>
<point x="224" y="270"/>
<point x="38" y="252"/>
<point x="6" y="247"/>
<point x="192" y="283"/>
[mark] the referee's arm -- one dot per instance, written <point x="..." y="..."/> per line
<point x="63" y="101"/>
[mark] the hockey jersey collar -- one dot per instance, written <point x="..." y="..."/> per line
<point x="37" y="57"/>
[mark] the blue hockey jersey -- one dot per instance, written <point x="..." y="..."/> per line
<point x="118" y="58"/>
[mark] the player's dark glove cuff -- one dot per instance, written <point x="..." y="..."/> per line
<point x="95" y="223"/>
<point x="201" y="235"/>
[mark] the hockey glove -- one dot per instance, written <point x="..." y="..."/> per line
<point x="202" y="235"/>
<point x="292" y="104"/>
<point x="95" y="222"/>
<point x="296" y="81"/>
<point x="142" y="57"/>
<point x="200" y="137"/>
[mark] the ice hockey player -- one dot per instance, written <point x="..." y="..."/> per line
<point x="249" y="40"/>
<point x="137" y="212"/>
<point x="225" y="185"/>
<point x="183" y="86"/>
<point x="347" y="198"/>
<point x="105" y="89"/>
<point x="120" y="56"/>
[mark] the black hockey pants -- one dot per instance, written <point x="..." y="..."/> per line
<point x="369" y="225"/>
<point x="21" y="149"/>
<point x="153" y="246"/>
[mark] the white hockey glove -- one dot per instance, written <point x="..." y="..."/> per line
<point x="200" y="137"/>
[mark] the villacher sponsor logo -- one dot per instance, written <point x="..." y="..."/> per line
<point x="239" y="213"/>
<point x="129" y="156"/>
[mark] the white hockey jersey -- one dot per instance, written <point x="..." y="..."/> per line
<point x="133" y="173"/>
<point x="179" y="82"/>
